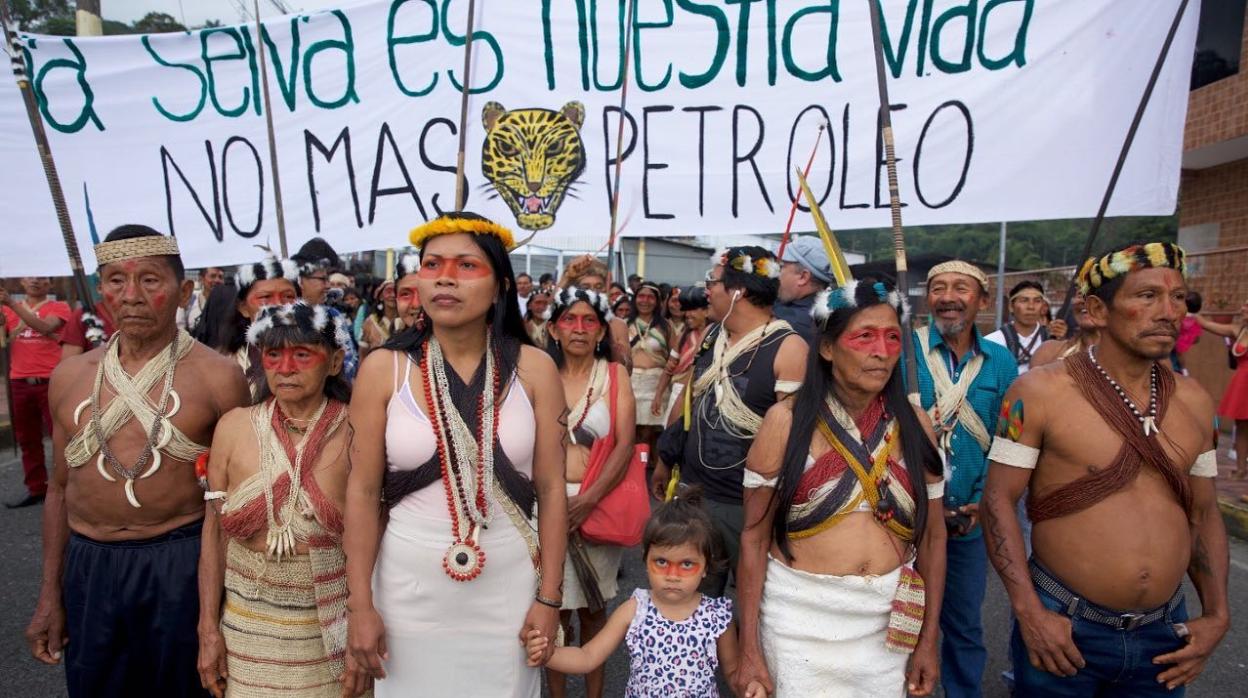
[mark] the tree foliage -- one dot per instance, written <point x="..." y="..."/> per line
<point x="1029" y="245"/>
<point x="56" y="17"/>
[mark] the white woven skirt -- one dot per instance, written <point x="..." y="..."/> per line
<point x="823" y="635"/>
<point x="645" y="383"/>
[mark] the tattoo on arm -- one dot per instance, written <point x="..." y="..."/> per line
<point x="1010" y="420"/>
<point x="996" y="543"/>
<point x="563" y="422"/>
<point x="1200" y="566"/>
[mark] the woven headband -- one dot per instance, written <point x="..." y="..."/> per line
<point x="766" y="267"/>
<point x="957" y="266"/>
<point x="1154" y="255"/>
<point x="133" y="248"/>
<point x="449" y="225"/>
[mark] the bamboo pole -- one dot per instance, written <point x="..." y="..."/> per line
<point x="619" y="144"/>
<point x="460" y="192"/>
<point x="268" y="122"/>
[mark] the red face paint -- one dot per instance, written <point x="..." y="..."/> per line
<point x="664" y="567"/>
<point x="579" y="323"/>
<point x="466" y="267"/>
<point x="292" y="359"/>
<point x="881" y="341"/>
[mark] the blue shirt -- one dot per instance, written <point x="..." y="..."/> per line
<point x="968" y="463"/>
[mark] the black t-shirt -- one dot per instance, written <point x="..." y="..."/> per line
<point x="714" y="458"/>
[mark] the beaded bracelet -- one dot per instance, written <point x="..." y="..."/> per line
<point x="557" y="605"/>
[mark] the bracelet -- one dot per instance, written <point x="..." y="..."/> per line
<point x="557" y="605"/>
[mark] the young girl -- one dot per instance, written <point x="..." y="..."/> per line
<point x="675" y="635"/>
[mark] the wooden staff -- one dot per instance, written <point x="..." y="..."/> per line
<point x="45" y="157"/>
<point x="1122" y="157"/>
<point x="460" y="193"/>
<point x="894" y="202"/>
<point x="619" y="140"/>
<point x="268" y="122"/>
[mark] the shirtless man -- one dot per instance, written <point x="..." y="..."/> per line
<point x="121" y="525"/>
<point x="1121" y="502"/>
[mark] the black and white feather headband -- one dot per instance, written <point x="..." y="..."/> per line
<point x="830" y="300"/>
<point x="310" y="320"/>
<point x="269" y="268"/>
<point x="571" y="295"/>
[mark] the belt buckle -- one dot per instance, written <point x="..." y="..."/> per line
<point x="1131" y="621"/>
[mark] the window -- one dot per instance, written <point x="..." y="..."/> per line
<point x="1218" y="41"/>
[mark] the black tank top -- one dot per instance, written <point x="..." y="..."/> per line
<point x="714" y="459"/>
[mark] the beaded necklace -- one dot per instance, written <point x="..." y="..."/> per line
<point x="1149" y="419"/>
<point x="466" y="498"/>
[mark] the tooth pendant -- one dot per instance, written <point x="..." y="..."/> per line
<point x="78" y="410"/>
<point x="134" y="501"/>
<point x="99" y="465"/>
<point x="1150" y="426"/>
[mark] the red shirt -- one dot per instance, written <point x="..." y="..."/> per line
<point x="75" y="334"/>
<point x="33" y="354"/>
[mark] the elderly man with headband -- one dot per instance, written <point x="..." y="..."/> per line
<point x="962" y="379"/>
<point x="1117" y="451"/>
<point x="124" y="509"/>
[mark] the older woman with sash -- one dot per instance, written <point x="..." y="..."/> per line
<point x="600" y="444"/>
<point x="841" y="575"/>
<point x="456" y="517"/>
<point x="277" y="478"/>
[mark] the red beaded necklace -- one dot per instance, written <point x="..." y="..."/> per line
<point x="465" y="559"/>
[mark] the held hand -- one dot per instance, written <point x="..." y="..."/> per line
<point x="545" y="620"/>
<point x="212" y="668"/>
<point x="535" y="646"/>
<point x="1050" y="644"/>
<point x="923" y="670"/>
<point x="355" y="680"/>
<point x="658" y="481"/>
<point x="366" y="642"/>
<point x="752" y="675"/>
<point x="1203" y="636"/>
<point x="1058" y="329"/>
<point x="46" y="634"/>
<point x="579" y="509"/>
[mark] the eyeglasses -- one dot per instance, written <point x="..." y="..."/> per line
<point x="708" y="279"/>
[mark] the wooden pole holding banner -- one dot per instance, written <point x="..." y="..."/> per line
<point x="894" y="202"/>
<point x="619" y="143"/>
<point x="460" y="192"/>
<point x="45" y="157"/>
<point x="1122" y="156"/>
<point x="1001" y="278"/>
<point x="268" y="123"/>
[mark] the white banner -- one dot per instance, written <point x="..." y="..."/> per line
<point x="1002" y="109"/>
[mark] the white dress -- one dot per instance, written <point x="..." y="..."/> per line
<point x="449" y="638"/>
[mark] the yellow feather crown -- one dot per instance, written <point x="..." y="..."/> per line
<point x="451" y="223"/>
<point x="1097" y="271"/>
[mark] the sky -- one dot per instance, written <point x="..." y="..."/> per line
<point x="194" y="13"/>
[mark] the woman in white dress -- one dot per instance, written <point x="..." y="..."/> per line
<point x="456" y="515"/>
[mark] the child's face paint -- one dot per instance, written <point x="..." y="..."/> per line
<point x="466" y="267"/>
<point x="675" y="571"/>
<point x="292" y="359"/>
<point x="879" y="341"/>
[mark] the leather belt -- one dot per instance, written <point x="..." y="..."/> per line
<point x="1077" y="607"/>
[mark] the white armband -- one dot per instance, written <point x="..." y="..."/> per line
<point x="788" y="387"/>
<point x="1014" y="454"/>
<point x="1206" y="465"/>
<point x="936" y="490"/>
<point x="753" y="480"/>
<point x="214" y="494"/>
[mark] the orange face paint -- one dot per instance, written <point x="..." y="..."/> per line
<point x="466" y="267"/>
<point x="880" y="341"/>
<point x="684" y="568"/>
<point x="292" y="359"/>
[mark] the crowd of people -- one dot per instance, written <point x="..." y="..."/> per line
<point x="267" y="486"/>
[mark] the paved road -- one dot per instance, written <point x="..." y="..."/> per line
<point x="22" y="676"/>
